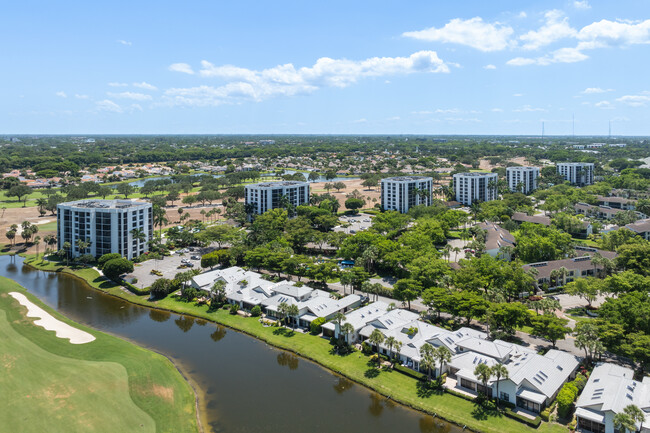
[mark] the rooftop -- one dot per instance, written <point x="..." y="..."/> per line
<point x="105" y="204"/>
<point x="407" y="178"/>
<point x="476" y="174"/>
<point x="277" y="184"/>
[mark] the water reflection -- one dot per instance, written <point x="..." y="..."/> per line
<point x="287" y="359"/>
<point x="376" y="404"/>
<point x="429" y="424"/>
<point x="342" y="385"/>
<point x="159" y="315"/>
<point x="218" y="334"/>
<point x="185" y="323"/>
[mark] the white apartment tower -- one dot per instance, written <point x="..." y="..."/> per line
<point x="110" y="226"/>
<point x="577" y="173"/>
<point x="403" y="192"/>
<point x="261" y="197"/>
<point x="522" y="179"/>
<point x="475" y="187"/>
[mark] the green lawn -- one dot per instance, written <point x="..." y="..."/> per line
<point x="107" y="385"/>
<point x="355" y="366"/>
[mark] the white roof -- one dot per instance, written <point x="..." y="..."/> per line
<point x="361" y="317"/>
<point x="611" y="388"/>
<point x="497" y="349"/>
<point x="467" y="362"/>
<point x="546" y="374"/>
<point x="322" y="306"/>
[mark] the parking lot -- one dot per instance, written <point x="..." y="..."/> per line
<point x="168" y="266"/>
<point x="355" y="223"/>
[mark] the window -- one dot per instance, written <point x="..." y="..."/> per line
<point x="504" y="396"/>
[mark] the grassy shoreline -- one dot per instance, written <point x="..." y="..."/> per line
<point x="83" y="378"/>
<point x="355" y="366"/>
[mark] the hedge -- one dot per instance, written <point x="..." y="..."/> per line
<point x="131" y="288"/>
<point x="534" y="423"/>
<point x="409" y="372"/>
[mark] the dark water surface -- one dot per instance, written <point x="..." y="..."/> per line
<point x="248" y="385"/>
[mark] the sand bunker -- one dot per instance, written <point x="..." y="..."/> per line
<point x="45" y="319"/>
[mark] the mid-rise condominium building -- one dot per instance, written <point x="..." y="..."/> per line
<point x="261" y="197"/>
<point x="107" y="226"/>
<point x="475" y="187"/>
<point x="577" y="173"/>
<point x="522" y="179"/>
<point x="403" y="192"/>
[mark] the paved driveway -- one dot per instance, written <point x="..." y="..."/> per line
<point x="357" y="223"/>
<point x="168" y="266"/>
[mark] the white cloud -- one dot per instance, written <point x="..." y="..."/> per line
<point x="582" y="5"/>
<point x="497" y="110"/>
<point x="604" y="105"/>
<point x="287" y="80"/>
<point x="123" y="42"/>
<point x="593" y="90"/>
<point x="61" y="94"/>
<point x="78" y="96"/>
<point x="181" y="67"/>
<point x="447" y="111"/>
<point x="556" y="27"/>
<point x="562" y="55"/>
<point x="518" y="95"/>
<point x="362" y="120"/>
<point x="528" y="109"/>
<point x="422" y="112"/>
<point x="115" y="84"/>
<point x="393" y="119"/>
<point x="145" y="85"/>
<point x="472" y="32"/>
<point x="130" y="95"/>
<point x="606" y="33"/>
<point x="635" y="100"/>
<point x="522" y="14"/>
<point x="489" y="67"/>
<point x="108" y="105"/>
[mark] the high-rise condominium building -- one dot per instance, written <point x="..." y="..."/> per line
<point x="577" y="173"/>
<point x="260" y="197"/>
<point x="475" y="187"/>
<point x="522" y="179"/>
<point x="106" y="226"/>
<point x="403" y="192"/>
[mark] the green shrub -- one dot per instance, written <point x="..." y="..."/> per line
<point x="105" y="258"/>
<point x="316" y="325"/>
<point x="234" y="308"/>
<point x="366" y="349"/>
<point x="115" y="267"/>
<point x="565" y="399"/>
<point x="545" y="414"/>
<point x="256" y="311"/>
<point x="580" y="381"/>
<point x="161" y="288"/>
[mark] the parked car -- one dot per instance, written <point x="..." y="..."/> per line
<point x="195" y="257"/>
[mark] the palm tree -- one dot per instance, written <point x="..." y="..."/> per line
<point x="67" y="246"/>
<point x="427" y="358"/>
<point x="293" y="311"/>
<point x="346" y="330"/>
<point x="637" y="415"/>
<point x="37" y="241"/>
<point x="159" y="218"/>
<point x="443" y="355"/>
<point x="447" y="251"/>
<point x="218" y="291"/>
<point x="623" y="422"/>
<point x="483" y="373"/>
<point x="390" y="345"/>
<point x="499" y="371"/>
<point x="562" y="273"/>
<point x="456" y="251"/>
<point x="282" y="310"/>
<point x="376" y="338"/>
<point x="11" y="235"/>
<point x="338" y="318"/>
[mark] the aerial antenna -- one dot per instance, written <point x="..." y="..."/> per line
<point x="610" y="129"/>
<point x="573" y="125"/>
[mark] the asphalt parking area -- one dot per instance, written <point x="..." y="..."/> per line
<point x="168" y="266"/>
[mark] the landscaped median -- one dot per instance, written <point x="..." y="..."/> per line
<point x="355" y="366"/>
<point x="103" y="385"/>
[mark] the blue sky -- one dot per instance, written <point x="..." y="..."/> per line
<point x="335" y="67"/>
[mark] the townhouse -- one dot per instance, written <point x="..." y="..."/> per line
<point x="609" y="390"/>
